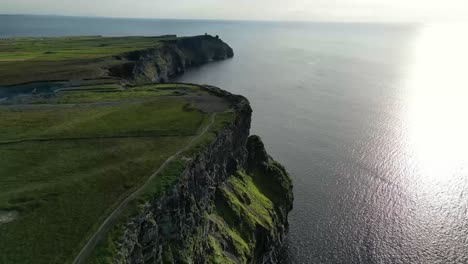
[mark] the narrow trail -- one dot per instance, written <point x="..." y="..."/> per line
<point x="110" y="221"/>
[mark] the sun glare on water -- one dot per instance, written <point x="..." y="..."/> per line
<point x="436" y="117"/>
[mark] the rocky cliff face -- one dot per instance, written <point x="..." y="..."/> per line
<point x="170" y="58"/>
<point x="230" y="205"/>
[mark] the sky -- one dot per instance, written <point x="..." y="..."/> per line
<point x="304" y="10"/>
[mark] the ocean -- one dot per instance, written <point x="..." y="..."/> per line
<point x="367" y="118"/>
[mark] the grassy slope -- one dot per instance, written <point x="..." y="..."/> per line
<point x="105" y="250"/>
<point x="156" y="117"/>
<point x="241" y="209"/>
<point x="33" y="59"/>
<point x="89" y="94"/>
<point x="62" y="188"/>
<point x="67" y="160"/>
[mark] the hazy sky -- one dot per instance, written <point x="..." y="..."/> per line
<point x="328" y="10"/>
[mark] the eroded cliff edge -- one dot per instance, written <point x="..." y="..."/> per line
<point x="229" y="205"/>
<point x="170" y="58"/>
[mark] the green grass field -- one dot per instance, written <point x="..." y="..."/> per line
<point x="75" y="142"/>
<point x="68" y="160"/>
<point x="155" y="117"/>
<point x="105" y="250"/>
<point x="25" y="60"/>
<point x="63" y="189"/>
<point x="72" y="48"/>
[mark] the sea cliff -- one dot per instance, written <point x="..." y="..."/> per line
<point x="230" y="205"/>
<point x="132" y="59"/>
<point x="150" y="171"/>
<point x="170" y="58"/>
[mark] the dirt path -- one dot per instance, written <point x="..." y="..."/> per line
<point x="110" y="221"/>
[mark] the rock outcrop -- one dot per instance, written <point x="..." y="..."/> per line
<point x="230" y="205"/>
<point x="170" y="58"/>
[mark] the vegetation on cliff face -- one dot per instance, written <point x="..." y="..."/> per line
<point x="251" y="209"/>
<point x="142" y="59"/>
<point x="241" y="209"/>
<point x="107" y="252"/>
<point x="237" y="222"/>
<point x="215" y="210"/>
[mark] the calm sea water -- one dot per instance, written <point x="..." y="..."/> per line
<point x="369" y="119"/>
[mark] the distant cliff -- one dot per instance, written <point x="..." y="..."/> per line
<point x="230" y="205"/>
<point x="170" y="58"/>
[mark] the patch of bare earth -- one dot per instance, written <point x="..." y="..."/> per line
<point x="7" y="216"/>
<point x="209" y="103"/>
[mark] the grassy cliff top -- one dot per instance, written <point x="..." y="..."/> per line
<point x="72" y="48"/>
<point x="69" y="159"/>
<point x="75" y="143"/>
<point x="25" y="60"/>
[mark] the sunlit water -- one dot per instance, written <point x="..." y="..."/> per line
<point x="369" y="119"/>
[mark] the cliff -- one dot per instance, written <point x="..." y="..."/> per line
<point x="229" y="205"/>
<point x="134" y="59"/>
<point x="151" y="173"/>
<point x="170" y="58"/>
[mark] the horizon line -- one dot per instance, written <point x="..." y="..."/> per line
<point x="217" y="19"/>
